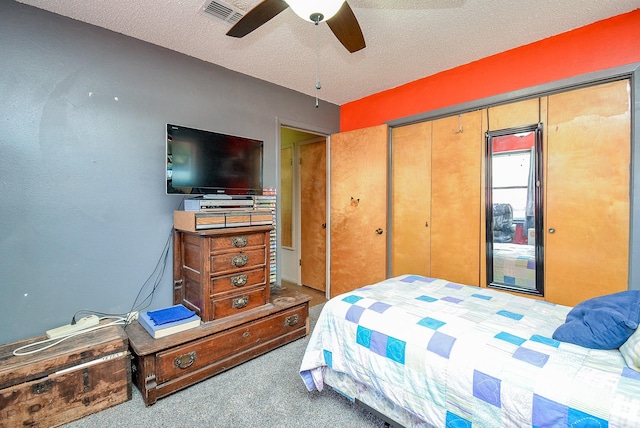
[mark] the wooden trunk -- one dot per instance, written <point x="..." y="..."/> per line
<point x="166" y="365"/>
<point x="80" y="376"/>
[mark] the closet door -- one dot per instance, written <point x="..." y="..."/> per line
<point x="515" y="114"/>
<point x="456" y="180"/>
<point x="358" y="208"/>
<point x="587" y="193"/>
<point x="411" y="199"/>
<point x="513" y="160"/>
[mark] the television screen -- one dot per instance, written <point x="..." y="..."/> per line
<point x="207" y="163"/>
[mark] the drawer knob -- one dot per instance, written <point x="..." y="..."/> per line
<point x="239" y="280"/>
<point x="292" y="320"/>
<point x="240" y="302"/>
<point x="239" y="260"/>
<point x="239" y="241"/>
<point x="185" y="360"/>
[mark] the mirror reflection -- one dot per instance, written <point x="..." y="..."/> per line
<point x="513" y="198"/>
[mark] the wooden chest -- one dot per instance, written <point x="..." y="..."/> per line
<point x="222" y="272"/>
<point x="166" y="365"/>
<point x="80" y="376"/>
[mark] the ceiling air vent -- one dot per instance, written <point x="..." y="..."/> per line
<point x="222" y="11"/>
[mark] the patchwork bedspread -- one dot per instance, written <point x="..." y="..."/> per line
<point x="456" y="355"/>
<point x="515" y="264"/>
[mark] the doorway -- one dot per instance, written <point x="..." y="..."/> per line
<point x="303" y="217"/>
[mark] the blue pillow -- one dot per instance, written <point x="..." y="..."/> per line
<point x="604" y="322"/>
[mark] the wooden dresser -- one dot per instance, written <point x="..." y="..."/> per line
<point x="166" y="365"/>
<point x="221" y="272"/>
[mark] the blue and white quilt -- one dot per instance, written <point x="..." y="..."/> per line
<point x="514" y="264"/>
<point x="456" y="355"/>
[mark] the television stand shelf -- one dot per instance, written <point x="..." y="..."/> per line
<point x="193" y="221"/>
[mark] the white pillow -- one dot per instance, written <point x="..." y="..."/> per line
<point x="631" y="351"/>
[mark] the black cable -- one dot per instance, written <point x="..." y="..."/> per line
<point x="162" y="264"/>
<point x="160" y="269"/>
<point x="137" y="307"/>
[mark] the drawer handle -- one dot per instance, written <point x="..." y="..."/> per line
<point x="239" y="281"/>
<point x="292" y="320"/>
<point x="42" y="387"/>
<point x="239" y="261"/>
<point x="239" y="241"/>
<point x="240" y="302"/>
<point x="185" y="360"/>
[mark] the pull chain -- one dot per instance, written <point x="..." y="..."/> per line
<point x="318" y="85"/>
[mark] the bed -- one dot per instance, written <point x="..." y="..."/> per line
<point x="515" y="264"/>
<point x="431" y="353"/>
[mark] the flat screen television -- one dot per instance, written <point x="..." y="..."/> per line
<point x="209" y="163"/>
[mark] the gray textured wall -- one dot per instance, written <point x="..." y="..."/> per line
<point x="84" y="214"/>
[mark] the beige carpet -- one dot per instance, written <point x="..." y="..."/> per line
<point x="264" y="392"/>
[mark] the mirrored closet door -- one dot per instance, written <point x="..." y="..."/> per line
<point x="514" y="209"/>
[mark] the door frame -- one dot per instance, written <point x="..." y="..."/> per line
<point x="298" y="201"/>
<point x="320" y="133"/>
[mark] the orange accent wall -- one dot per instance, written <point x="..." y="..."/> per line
<point x="604" y="44"/>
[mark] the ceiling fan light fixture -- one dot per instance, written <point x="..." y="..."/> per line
<point x="315" y="10"/>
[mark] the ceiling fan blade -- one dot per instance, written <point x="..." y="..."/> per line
<point x="257" y="16"/>
<point x="346" y="28"/>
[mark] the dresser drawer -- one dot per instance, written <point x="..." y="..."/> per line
<point x="237" y="303"/>
<point x="237" y="281"/>
<point x="239" y="241"/>
<point x="237" y="261"/>
<point x="191" y="357"/>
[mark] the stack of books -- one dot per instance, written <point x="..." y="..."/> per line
<point x="267" y="201"/>
<point x="171" y="320"/>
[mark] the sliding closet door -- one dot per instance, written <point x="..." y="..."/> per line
<point x="456" y="180"/>
<point x="411" y="199"/>
<point x="513" y="167"/>
<point x="358" y="208"/>
<point x="587" y="193"/>
<point x="513" y="115"/>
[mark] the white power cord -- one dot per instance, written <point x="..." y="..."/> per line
<point x="57" y="340"/>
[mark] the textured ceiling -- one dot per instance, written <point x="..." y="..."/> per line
<point x="406" y="39"/>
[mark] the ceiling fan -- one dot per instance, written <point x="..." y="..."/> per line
<point x="337" y="14"/>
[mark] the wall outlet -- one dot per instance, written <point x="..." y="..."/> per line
<point x="81" y="324"/>
<point x="131" y="316"/>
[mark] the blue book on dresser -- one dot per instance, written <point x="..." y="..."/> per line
<point x="168" y="321"/>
